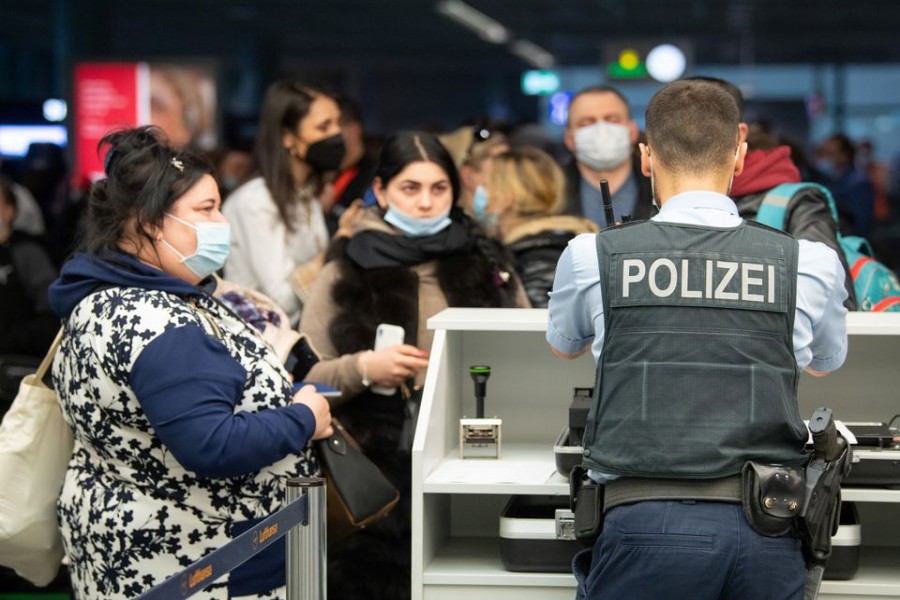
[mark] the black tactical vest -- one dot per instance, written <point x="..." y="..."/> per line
<point x="697" y="373"/>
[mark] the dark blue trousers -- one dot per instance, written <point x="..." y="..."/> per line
<point x="687" y="549"/>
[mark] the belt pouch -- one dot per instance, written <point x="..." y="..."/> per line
<point x="772" y="497"/>
<point x="586" y="502"/>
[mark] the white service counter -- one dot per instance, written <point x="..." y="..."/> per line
<point x="456" y="504"/>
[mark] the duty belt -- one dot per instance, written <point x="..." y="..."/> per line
<point x="636" y="489"/>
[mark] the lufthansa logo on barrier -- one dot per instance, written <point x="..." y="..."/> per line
<point x="268" y="532"/>
<point x="184" y="585"/>
<point x="199" y="576"/>
<point x="255" y="541"/>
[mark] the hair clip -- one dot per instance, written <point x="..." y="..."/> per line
<point x="176" y="162"/>
<point x="108" y="159"/>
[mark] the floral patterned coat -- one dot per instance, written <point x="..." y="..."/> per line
<point x="131" y="514"/>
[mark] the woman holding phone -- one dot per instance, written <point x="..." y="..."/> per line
<point x="412" y="255"/>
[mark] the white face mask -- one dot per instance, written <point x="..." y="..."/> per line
<point x="602" y="145"/>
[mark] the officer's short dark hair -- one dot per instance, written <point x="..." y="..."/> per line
<point x="692" y="127"/>
<point x="729" y="87"/>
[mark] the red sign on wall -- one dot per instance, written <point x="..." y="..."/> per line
<point x="108" y="96"/>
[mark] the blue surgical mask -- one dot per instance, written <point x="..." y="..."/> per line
<point x="416" y="227"/>
<point x="213" y="245"/>
<point x="479" y="208"/>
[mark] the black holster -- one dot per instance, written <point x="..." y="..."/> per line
<point x="805" y="501"/>
<point x="820" y="514"/>
<point x="586" y="503"/>
<point x="772" y="497"/>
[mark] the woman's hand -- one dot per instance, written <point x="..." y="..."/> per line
<point x="320" y="408"/>
<point x="392" y="366"/>
<point x="351" y="215"/>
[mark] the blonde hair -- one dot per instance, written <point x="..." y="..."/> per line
<point x="481" y="150"/>
<point x="466" y="150"/>
<point x="531" y="179"/>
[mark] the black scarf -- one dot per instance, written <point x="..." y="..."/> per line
<point x="378" y="249"/>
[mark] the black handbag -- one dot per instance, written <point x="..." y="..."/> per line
<point x="358" y="493"/>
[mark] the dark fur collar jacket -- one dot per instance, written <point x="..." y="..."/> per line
<point x="367" y="297"/>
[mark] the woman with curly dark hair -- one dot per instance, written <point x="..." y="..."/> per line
<point x="185" y="422"/>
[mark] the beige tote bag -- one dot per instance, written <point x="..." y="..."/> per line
<point x="35" y="448"/>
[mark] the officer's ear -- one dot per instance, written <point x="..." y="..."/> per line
<point x="739" y="158"/>
<point x="645" y="159"/>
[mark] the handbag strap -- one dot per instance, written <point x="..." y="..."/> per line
<point x="41" y="374"/>
<point x="213" y="328"/>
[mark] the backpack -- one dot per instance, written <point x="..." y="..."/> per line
<point x="876" y="286"/>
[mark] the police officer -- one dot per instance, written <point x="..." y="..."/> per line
<point x="700" y="324"/>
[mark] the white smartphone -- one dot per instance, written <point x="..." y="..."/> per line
<point x="386" y="336"/>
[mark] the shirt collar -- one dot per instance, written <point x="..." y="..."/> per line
<point x="703" y="200"/>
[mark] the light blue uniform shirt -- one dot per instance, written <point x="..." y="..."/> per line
<point x="820" y="328"/>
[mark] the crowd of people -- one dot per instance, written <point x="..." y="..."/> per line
<point x="187" y="415"/>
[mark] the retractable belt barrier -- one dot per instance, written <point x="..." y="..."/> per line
<point x="302" y="519"/>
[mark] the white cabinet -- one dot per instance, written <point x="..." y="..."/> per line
<point x="456" y="503"/>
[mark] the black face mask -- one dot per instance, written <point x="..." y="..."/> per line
<point x="327" y="154"/>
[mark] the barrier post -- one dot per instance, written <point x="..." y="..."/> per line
<point x="306" y="543"/>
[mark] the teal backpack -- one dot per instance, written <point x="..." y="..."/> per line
<point x="876" y="286"/>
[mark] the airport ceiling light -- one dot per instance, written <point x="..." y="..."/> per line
<point x="487" y="28"/>
<point x="666" y="63"/>
<point x="55" y="110"/>
<point x="532" y="54"/>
